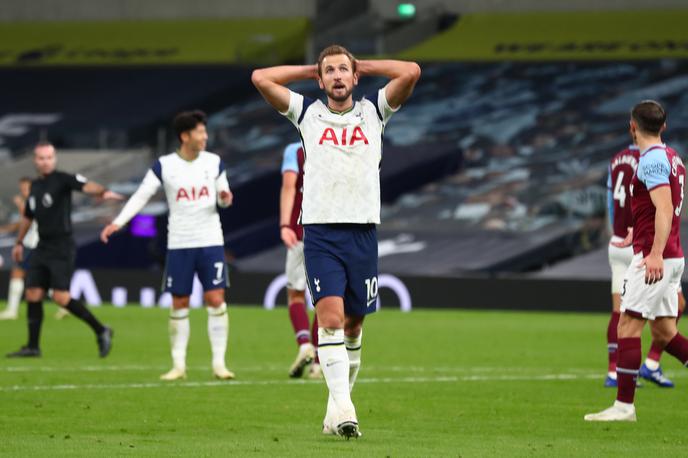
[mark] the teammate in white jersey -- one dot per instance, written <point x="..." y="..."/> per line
<point x="195" y="182"/>
<point x="16" y="288"/>
<point x="342" y="141"/>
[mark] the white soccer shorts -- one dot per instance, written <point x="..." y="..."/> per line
<point x="657" y="300"/>
<point x="296" y="268"/>
<point x="619" y="259"/>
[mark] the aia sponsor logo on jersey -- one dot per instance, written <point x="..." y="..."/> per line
<point x="192" y="193"/>
<point x="342" y="138"/>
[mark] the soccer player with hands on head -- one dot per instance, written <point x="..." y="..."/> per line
<point x="342" y="142"/>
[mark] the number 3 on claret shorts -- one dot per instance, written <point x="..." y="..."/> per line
<point x="371" y="288"/>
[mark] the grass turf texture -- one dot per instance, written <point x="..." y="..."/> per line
<point x="433" y="383"/>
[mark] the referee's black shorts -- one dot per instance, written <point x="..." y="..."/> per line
<point x="51" y="265"/>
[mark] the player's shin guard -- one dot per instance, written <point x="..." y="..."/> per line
<point x="299" y="321"/>
<point x="335" y="366"/>
<point x="179" y="336"/>
<point x="353" y="350"/>
<point x="79" y="310"/>
<point x="34" y="315"/>
<point x="14" y="296"/>
<point x="218" y="330"/>
<point x="612" y="341"/>
<point x="627" y="367"/>
<point x="678" y="348"/>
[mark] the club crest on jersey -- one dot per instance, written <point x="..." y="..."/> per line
<point x="342" y="138"/>
<point x="192" y="193"/>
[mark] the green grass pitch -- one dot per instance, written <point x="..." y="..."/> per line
<point x="433" y="383"/>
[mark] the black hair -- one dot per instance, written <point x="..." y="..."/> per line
<point x="188" y="120"/>
<point x="649" y="116"/>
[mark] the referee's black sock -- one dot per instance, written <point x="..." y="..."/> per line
<point x="34" y="315"/>
<point x="78" y="309"/>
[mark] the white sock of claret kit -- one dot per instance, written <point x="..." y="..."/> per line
<point x="179" y="337"/>
<point x="14" y="296"/>
<point x="218" y="332"/>
<point x="334" y="362"/>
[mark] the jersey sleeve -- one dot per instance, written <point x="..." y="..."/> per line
<point x="610" y="197"/>
<point x="290" y="160"/>
<point x="74" y="182"/>
<point x="140" y="198"/>
<point x="654" y="169"/>
<point x="30" y="207"/>
<point x="384" y="111"/>
<point x="298" y="104"/>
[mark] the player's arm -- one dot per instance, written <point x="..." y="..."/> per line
<point x="610" y="201"/>
<point x="24" y="225"/>
<point x="664" y="213"/>
<point x="148" y="187"/>
<point x="224" y="194"/>
<point x="271" y="82"/>
<point x="403" y="76"/>
<point x="98" y="190"/>
<point x="287" y="193"/>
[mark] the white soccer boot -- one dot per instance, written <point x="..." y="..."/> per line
<point x="8" y="315"/>
<point x="175" y="373"/>
<point x="315" y="373"/>
<point x="620" y="411"/>
<point x="61" y="313"/>
<point x="305" y="356"/>
<point x="222" y="373"/>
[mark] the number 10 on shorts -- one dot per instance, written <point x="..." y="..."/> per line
<point x="371" y="288"/>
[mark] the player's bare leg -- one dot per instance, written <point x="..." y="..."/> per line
<point x="334" y="361"/>
<point x="179" y="329"/>
<point x="315" y="372"/>
<point x="628" y="365"/>
<point x="218" y="331"/>
<point x="14" y="295"/>
<point x="651" y="370"/>
<point x="299" y="320"/>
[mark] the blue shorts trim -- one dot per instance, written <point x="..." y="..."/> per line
<point x="206" y="262"/>
<point x="341" y="260"/>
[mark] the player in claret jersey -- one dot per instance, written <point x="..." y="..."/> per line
<point x="291" y="233"/>
<point x="195" y="182"/>
<point x="622" y="167"/>
<point x="342" y="141"/>
<point x="651" y="283"/>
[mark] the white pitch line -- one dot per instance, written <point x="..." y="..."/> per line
<point x="373" y="380"/>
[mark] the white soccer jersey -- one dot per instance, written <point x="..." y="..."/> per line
<point x="192" y="189"/>
<point x="341" y="179"/>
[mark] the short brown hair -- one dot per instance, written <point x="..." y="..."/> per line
<point x="649" y="116"/>
<point x="334" y="50"/>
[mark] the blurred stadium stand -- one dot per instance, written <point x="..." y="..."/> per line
<point x="497" y="164"/>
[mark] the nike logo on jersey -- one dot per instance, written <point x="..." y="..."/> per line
<point x="357" y="135"/>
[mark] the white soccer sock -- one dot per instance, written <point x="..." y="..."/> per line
<point x="651" y="364"/>
<point x="218" y="330"/>
<point x="353" y="349"/>
<point x="335" y="366"/>
<point x="14" y="295"/>
<point x="179" y="336"/>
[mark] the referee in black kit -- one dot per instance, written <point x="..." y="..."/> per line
<point x="52" y="263"/>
